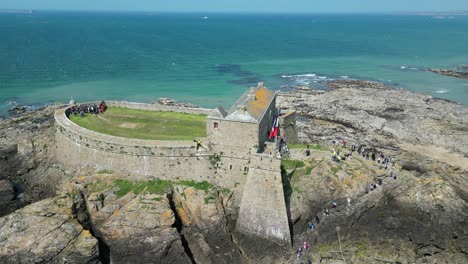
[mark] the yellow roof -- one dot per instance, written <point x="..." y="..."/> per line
<point x="259" y="104"/>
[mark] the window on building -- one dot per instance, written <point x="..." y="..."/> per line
<point x="246" y="169"/>
<point x="230" y="167"/>
<point x="215" y="125"/>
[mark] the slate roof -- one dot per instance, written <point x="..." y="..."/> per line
<point x="250" y="107"/>
<point x="218" y="112"/>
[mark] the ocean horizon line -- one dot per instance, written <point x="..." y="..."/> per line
<point x="101" y="11"/>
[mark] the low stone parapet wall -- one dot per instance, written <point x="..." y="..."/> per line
<point x="158" y="107"/>
<point x="144" y="159"/>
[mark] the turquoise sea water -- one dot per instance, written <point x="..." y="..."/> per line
<point x="52" y="56"/>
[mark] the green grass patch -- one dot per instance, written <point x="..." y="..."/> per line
<point x="204" y="185"/>
<point x="209" y="198"/>
<point x="97" y="186"/>
<point x="323" y="249"/>
<point x="297" y="190"/>
<point x="105" y="172"/>
<point x="292" y="164"/>
<point x="362" y="250"/>
<point x="145" y="124"/>
<point x="155" y="187"/>
<point x="304" y="146"/>
<point x="225" y="190"/>
<point x="335" y="170"/>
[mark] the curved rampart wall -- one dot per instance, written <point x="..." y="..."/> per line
<point x="147" y="159"/>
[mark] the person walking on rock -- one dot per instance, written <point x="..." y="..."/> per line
<point x="299" y="252"/>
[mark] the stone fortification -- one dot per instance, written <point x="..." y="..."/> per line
<point x="263" y="209"/>
<point x="231" y="159"/>
<point x="287" y="123"/>
<point x="146" y="159"/>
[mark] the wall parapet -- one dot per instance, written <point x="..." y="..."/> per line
<point x="148" y="159"/>
<point x="129" y="146"/>
<point x="159" y="107"/>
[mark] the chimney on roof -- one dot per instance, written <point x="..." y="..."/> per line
<point x="241" y="108"/>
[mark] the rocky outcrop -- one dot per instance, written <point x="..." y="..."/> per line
<point x="359" y="84"/>
<point x="171" y="102"/>
<point x="27" y="157"/>
<point x="16" y="110"/>
<point x="136" y="228"/>
<point x="419" y="217"/>
<point x="378" y="117"/>
<point x="205" y="225"/>
<point x="460" y="72"/>
<point x="45" y="232"/>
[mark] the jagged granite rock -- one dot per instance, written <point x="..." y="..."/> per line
<point x="7" y="193"/>
<point x="419" y="217"/>
<point x="382" y="116"/>
<point x="171" y="102"/>
<point x="27" y="155"/>
<point x="205" y="225"/>
<point x="462" y="72"/>
<point x="136" y="228"/>
<point x="45" y="232"/>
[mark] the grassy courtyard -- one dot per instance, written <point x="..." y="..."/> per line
<point x="143" y="124"/>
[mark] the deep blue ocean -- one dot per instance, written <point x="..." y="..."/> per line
<point x="210" y="59"/>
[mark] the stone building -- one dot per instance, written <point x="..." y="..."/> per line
<point x="247" y="123"/>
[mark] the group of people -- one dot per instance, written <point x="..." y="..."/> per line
<point x="305" y="247"/>
<point x="361" y="150"/>
<point x="381" y="159"/>
<point x="282" y="150"/>
<point x="93" y="109"/>
<point x="312" y="226"/>
<point x="335" y="155"/>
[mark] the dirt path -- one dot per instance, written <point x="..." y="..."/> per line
<point x="439" y="154"/>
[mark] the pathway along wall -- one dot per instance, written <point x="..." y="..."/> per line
<point x="146" y="159"/>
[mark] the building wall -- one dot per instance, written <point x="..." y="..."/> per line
<point x="288" y="128"/>
<point x="232" y="133"/>
<point x="266" y="123"/>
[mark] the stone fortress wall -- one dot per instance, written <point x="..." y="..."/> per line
<point x="149" y="159"/>
<point x="232" y="159"/>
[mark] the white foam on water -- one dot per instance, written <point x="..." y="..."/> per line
<point x="306" y="75"/>
<point x="440" y="91"/>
